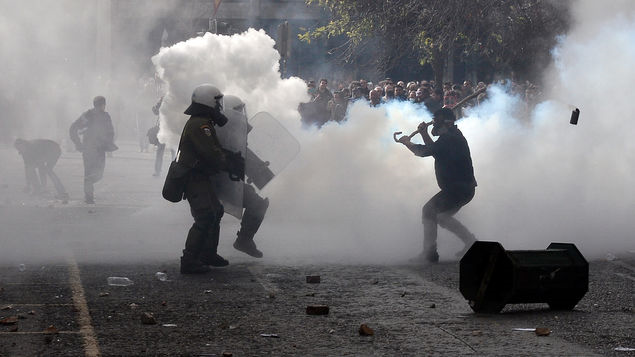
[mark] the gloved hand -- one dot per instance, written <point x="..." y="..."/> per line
<point x="235" y="166"/>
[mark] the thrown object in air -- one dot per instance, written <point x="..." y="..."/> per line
<point x="492" y="277"/>
<point x="575" y="114"/>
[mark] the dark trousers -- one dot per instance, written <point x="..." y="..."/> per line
<point x="255" y="209"/>
<point x="94" y="165"/>
<point x="38" y="184"/>
<point x="439" y="210"/>
<point x="207" y="211"/>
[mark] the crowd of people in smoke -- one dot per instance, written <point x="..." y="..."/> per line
<point x="326" y="105"/>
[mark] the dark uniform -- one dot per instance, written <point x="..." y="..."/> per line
<point x="255" y="209"/>
<point x="97" y="132"/>
<point x="41" y="154"/>
<point x="455" y="177"/>
<point x="200" y="151"/>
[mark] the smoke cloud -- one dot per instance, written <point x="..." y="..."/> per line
<point x="353" y="194"/>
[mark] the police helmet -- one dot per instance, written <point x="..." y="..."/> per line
<point x="234" y="103"/>
<point x="208" y="95"/>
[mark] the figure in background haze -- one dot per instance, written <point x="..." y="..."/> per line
<point x="455" y="177"/>
<point x="97" y="138"/>
<point x="146" y="97"/>
<point x="201" y="153"/>
<point x="154" y="140"/>
<point x="41" y="154"/>
<point x="322" y="96"/>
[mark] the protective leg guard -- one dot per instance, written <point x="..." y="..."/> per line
<point x="255" y="209"/>
<point x="209" y="247"/>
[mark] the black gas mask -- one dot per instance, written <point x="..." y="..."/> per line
<point x="219" y="118"/>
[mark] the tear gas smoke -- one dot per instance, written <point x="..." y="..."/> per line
<point x="353" y="194"/>
<point x="244" y="65"/>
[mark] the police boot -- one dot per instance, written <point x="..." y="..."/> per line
<point x="191" y="265"/>
<point x="214" y="260"/>
<point x="246" y="245"/>
<point x="209" y="253"/>
<point x="254" y="214"/>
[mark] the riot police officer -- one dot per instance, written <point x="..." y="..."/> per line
<point x="201" y="152"/>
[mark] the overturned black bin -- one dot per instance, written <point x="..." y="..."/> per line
<point x="492" y="277"/>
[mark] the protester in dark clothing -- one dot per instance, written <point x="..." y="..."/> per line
<point x="322" y="97"/>
<point x="400" y="93"/>
<point x="337" y="106"/>
<point x="455" y="177"/>
<point x="363" y="85"/>
<point x="375" y="97"/>
<point x="40" y="154"/>
<point x="97" y="132"/>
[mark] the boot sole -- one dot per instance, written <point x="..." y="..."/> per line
<point x="251" y="254"/>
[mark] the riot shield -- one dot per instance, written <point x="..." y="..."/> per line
<point x="271" y="148"/>
<point x="233" y="137"/>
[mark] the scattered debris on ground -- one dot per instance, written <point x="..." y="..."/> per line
<point x="147" y="318"/>
<point x="9" y="320"/>
<point x="271" y="335"/>
<point x="542" y="331"/>
<point x="364" y="330"/>
<point x="51" y="330"/>
<point x="317" y="310"/>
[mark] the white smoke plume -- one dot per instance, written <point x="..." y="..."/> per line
<point x="244" y="65"/>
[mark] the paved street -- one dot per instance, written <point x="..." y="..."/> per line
<point x="56" y="258"/>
